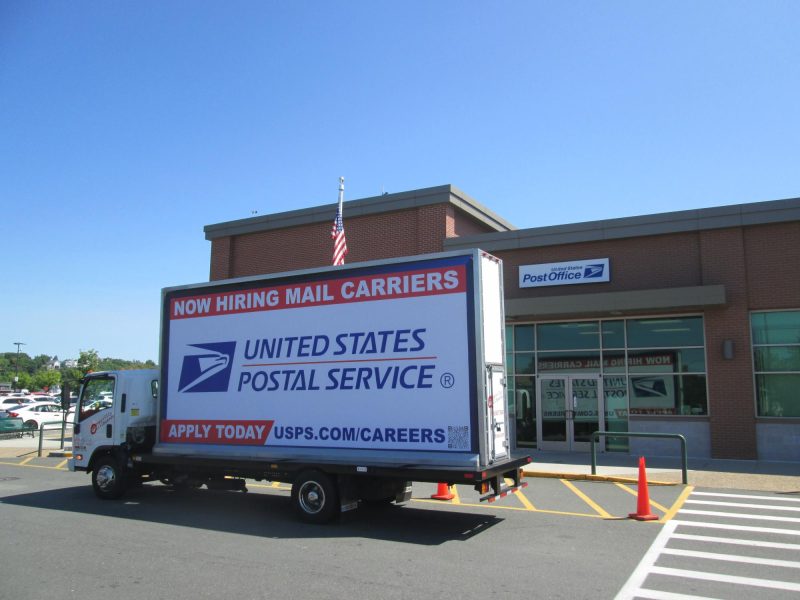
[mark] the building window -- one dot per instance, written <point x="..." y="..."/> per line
<point x="776" y="362"/>
<point x="649" y="367"/>
<point x="666" y="366"/>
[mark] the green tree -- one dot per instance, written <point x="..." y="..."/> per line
<point x="25" y="381"/>
<point x="46" y="379"/>
<point x="88" y="361"/>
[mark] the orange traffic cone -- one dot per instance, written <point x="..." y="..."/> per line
<point x="442" y="492"/>
<point x="643" y="498"/>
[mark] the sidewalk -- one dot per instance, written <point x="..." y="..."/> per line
<point x="29" y="445"/>
<point x="778" y="477"/>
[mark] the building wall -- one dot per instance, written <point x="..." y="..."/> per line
<point x="752" y="263"/>
<point x="459" y="225"/>
<point x="636" y="263"/>
<point x="730" y="382"/>
<point x="770" y="249"/>
<point x="419" y="230"/>
<point x="749" y="261"/>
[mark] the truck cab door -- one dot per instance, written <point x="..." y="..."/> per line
<point x="95" y="424"/>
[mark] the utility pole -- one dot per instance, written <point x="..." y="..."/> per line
<point x="16" y="368"/>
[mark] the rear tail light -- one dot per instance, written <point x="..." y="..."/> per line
<point x="13" y="414"/>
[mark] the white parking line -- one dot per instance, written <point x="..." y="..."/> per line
<point x="645" y="567"/>
<point x="789" y="564"/>
<point x="676" y="529"/>
<point x="718" y="577"/>
<point x="736" y="527"/>
<point x="735" y="541"/>
<point x="748" y="496"/>
<point x="743" y="505"/>
<point x="714" y="513"/>
<point x="659" y="595"/>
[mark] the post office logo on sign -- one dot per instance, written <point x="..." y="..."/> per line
<point x="592" y="270"/>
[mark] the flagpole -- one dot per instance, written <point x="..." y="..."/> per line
<point x="337" y="231"/>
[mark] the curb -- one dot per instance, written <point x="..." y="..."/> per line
<point x="586" y="477"/>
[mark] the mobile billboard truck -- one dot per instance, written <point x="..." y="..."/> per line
<point x="347" y="382"/>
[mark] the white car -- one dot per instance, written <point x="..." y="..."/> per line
<point x="33" y="415"/>
<point x="7" y="402"/>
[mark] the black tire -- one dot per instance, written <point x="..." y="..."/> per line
<point x="315" y="497"/>
<point x="31" y="425"/>
<point x="108" y="478"/>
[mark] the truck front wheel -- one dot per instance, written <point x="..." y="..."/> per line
<point x="108" y="479"/>
<point x="315" y="497"/>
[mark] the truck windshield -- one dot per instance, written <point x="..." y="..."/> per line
<point x="97" y="394"/>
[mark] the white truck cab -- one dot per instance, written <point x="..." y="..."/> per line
<point x="116" y="411"/>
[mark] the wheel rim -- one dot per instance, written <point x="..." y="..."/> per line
<point x="312" y="497"/>
<point x="106" y="476"/>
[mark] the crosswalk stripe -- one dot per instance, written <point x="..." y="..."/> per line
<point x="735" y="541"/>
<point x="750" y="496"/>
<point x="735" y="527"/>
<point x="736" y="579"/>
<point x="659" y="595"/>
<point x="744" y="505"/>
<point x="789" y="564"/>
<point x="715" y="513"/>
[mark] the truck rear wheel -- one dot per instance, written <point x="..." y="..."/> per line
<point x="108" y="479"/>
<point x="315" y="497"/>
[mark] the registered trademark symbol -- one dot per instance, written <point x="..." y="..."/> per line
<point x="447" y="380"/>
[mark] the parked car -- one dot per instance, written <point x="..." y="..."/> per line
<point x="10" y="426"/>
<point x="13" y="401"/>
<point x="33" y="415"/>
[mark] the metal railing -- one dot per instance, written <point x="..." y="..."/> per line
<point x="684" y="460"/>
<point x="62" y="425"/>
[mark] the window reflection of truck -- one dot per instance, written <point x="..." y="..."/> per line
<point x="284" y="378"/>
<point x="526" y="416"/>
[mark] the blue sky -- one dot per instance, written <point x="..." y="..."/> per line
<point x="125" y="127"/>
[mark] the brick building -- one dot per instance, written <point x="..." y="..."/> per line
<point x="683" y="322"/>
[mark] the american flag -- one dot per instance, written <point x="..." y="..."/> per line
<point x="337" y="231"/>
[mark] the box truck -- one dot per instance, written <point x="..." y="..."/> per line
<point x="346" y="382"/>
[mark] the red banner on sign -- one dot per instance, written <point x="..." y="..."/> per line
<point x="384" y="286"/>
<point x="238" y="433"/>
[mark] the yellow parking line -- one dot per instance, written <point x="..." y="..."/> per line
<point x="600" y="511"/>
<point x="525" y="502"/>
<point x="30" y="466"/>
<point x="26" y="461"/>
<point x="630" y="491"/>
<point x="502" y="507"/>
<point x="456" y="498"/>
<point x="677" y="505"/>
<point x="275" y="485"/>
<point x="61" y="464"/>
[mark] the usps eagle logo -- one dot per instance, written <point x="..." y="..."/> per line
<point x="209" y="371"/>
<point x="593" y="271"/>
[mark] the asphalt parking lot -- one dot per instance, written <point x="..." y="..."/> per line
<point x="553" y="496"/>
<point x="560" y="538"/>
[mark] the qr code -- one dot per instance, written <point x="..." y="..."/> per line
<point x="458" y="437"/>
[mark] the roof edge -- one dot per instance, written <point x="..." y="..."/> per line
<point x="719" y="217"/>
<point x="362" y="207"/>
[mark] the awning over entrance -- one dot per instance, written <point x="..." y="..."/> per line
<point x="617" y="303"/>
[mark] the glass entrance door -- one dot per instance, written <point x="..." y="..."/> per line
<point x="570" y="410"/>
